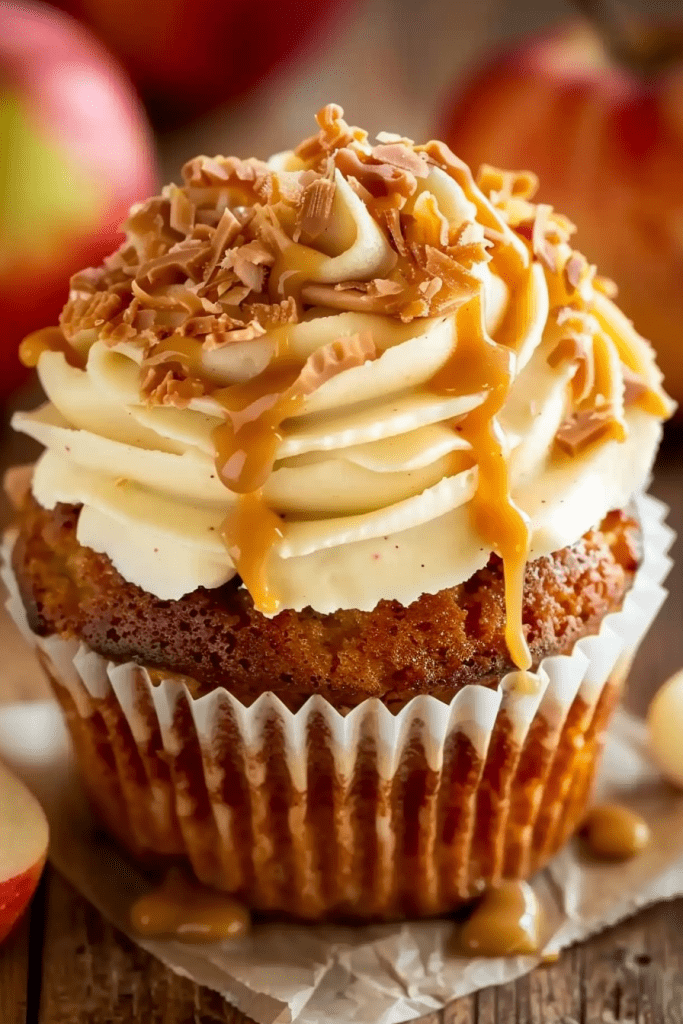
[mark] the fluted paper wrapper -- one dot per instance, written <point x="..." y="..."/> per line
<point x="529" y="756"/>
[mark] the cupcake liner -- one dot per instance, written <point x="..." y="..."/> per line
<point x="369" y="814"/>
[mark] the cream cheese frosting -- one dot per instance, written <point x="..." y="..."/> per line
<point x="348" y="375"/>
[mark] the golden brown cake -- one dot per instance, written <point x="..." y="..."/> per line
<point x="335" y="555"/>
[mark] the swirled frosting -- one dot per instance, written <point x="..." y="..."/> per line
<point x="348" y="374"/>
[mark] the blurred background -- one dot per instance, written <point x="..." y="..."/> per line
<point x="101" y="101"/>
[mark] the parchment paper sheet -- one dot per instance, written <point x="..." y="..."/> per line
<point x="375" y="975"/>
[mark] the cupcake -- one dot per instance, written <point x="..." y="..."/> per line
<point x="336" y="556"/>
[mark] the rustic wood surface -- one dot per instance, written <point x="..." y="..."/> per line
<point x="66" y="965"/>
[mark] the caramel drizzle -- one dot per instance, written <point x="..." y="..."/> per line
<point x="246" y="443"/>
<point x="48" y="339"/>
<point x="246" y="448"/>
<point x="479" y="364"/>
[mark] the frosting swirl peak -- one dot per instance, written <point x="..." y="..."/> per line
<point x="347" y="374"/>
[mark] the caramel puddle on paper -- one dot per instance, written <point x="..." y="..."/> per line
<point x="180" y="908"/>
<point x="613" y="832"/>
<point x="506" y="921"/>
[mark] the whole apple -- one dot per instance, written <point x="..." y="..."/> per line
<point x="187" y="56"/>
<point x="607" y="144"/>
<point x="75" y="153"/>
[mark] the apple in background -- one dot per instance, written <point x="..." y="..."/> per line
<point x="187" y="56"/>
<point x="607" y="144"/>
<point x="75" y="153"/>
<point x="23" y="848"/>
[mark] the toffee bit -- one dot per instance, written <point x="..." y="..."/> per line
<point x="204" y="171"/>
<point x="334" y="358"/>
<point x="85" y="282"/>
<point x="501" y="186"/>
<point x="334" y="134"/>
<point x="248" y="261"/>
<point x="497" y="237"/>
<point x="246" y="332"/>
<point x="634" y="385"/>
<point x="542" y="247"/>
<point x="578" y="348"/>
<point x="398" y="154"/>
<point x="226" y="232"/>
<point x="90" y="311"/>
<point x="583" y="427"/>
<point x="169" y="385"/>
<point x="379" y="179"/>
<point x="605" y="285"/>
<point x="360" y="190"/>
<point x="392" y="218"/>
<point x="182" y="211"/>
<point x="181" y="261"/>
<point x="316" y="209"/>
<point x="574" y="270"/>
<point x="389" y="137"/>
<point x="274" y="315"/>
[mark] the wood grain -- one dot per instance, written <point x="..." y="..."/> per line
<point x="14" y="960"/>
<point x="93" y="973"/>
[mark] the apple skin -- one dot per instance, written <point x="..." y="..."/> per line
<point x="607" y="146"/>
<point x="187" y="56"/>
<point x="15" y="896"/>
<point x="24" y="839"/>
<point x="71" y="101"/>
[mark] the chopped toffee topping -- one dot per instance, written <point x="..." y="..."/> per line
<point x="237" y="250"/>
<point x="334" y="358"/>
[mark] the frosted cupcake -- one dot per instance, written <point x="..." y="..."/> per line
<point x="335" y="555"/>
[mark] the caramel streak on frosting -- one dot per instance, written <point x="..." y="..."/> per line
<point x="348" y="374"/>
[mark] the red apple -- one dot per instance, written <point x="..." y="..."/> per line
<point x="75" y="153"/>
<point x="23" y="848"/>
<point x="187" y="56"/>
<point x="607" y="145"/>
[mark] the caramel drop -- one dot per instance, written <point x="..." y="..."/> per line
<point x="505" y="922"/>
<point x="185" y="910"/>
<point x="615" y="833"/>
<point x="48" y="339"/>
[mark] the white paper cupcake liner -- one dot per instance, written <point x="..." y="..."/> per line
<point x="368" y="814"/>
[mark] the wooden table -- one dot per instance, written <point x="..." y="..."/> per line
<point x="66" y="965"/>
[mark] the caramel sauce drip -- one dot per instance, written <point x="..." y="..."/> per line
<point x="292" y="270"/>
<point x="506" y="921"/>
<point x="526" y="683"/>
<point x="246" y="447"/>
<point x="48" y="339"/>
<point x="246" y="444"/>
<point x="188" y="350"/>
<point x="183" y="909"/>
<point x="614" y="832"/>
<point x="249" y="532"/>
<point x="479" y="364"/>
<point x="159" y="675"/>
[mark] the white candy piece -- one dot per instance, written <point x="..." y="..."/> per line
<point x="665" y="726"/>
